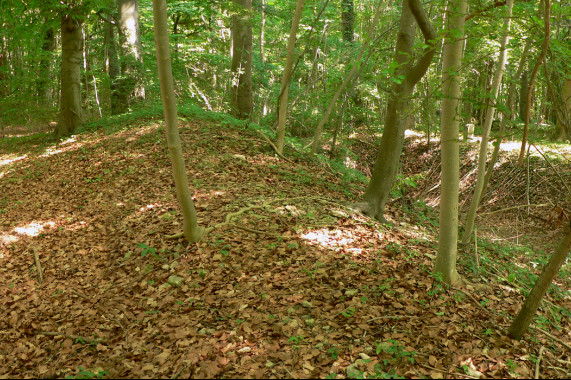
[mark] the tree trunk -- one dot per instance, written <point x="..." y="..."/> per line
<point x="404" y="80"/>
<point x="192" y="231"/>
<point x="283" y="96"/>
<point x="348" y="78"/>
<point x="451" y="62"/>
<point x="531" y="82"/>
<point x="490" y="110"/>
<point x="44" y="90"/>
<point x="525" y="315"/>
<point x="130" y="86"/>
<point x="242" y="99"/>
<point x="348" y="19"/>
<point x="71" y="59"/>
<point x="508" y="115"/>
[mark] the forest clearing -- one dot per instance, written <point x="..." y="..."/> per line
<point x="303" y="189"/>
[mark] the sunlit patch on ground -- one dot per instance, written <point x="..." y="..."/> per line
<point x="5" y="160"/>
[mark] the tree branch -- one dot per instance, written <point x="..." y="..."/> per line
<point x="417" y="71"/>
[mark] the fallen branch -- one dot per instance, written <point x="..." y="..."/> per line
<point x="73" y="337"/>
<point x="273" y="146"/>
<point x="254" y="231"/>
<point x="38" y="265"/>
<point x="553" y="337"/>
<point x="229" y="217"/>
<point x="448" y="373"/>
<point x="515" y="207"/>
<point x="538" y="361"/>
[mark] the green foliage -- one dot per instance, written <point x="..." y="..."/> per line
<point x="84" y="373"/>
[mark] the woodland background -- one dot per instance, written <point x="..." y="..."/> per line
<point x="365" y="189"/>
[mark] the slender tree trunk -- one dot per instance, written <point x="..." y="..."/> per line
<point x="490" y="111"/>
<point x="131" y="86"/>
<point x="262" y="30"/>
<point x="508" y="115"/>
<point x="192" y="231"/>
<point x="348" y="19"/>
<point x="532" y="80"/>
<point x="283" y="96"/>
<point x="71" y="58"/>
<point x="242" y="99"/>
<point x="405" y="78"/>
<point x="348" y="78"/>
<point x="44" y="90"/>
<point x="451" y="62"/>
<point x="525" y="315"/>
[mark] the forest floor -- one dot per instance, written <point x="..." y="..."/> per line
<point x="294" y="284"/>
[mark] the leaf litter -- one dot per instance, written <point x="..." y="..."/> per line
<point x="296" y="285"/>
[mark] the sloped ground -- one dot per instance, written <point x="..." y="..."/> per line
<point x="296" y="285"/>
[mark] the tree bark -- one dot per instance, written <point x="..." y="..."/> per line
<point x="44" y="91"/>
<point x="525" y="315"/>
<point x="490" y="111"/>
<point x="532" y="80"/>
<point x="192" y="231"/>
<point x="283" y="96"/>
<point x="71" y="59"/>
<point x="508" y="115"/>
<point x="405" y="78"/>
<point x="242" y="98"/>
<point x="130" y="86"/>
<point x="451" y="61"/>
<point x="348" y="78"/>
<point x="348" y="19"/>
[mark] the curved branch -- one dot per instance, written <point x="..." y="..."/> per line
<point x="417" y="71"/>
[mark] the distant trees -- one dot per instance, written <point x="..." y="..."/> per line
<point x="129" y="87"/>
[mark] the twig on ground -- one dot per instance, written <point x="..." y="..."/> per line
<point x="73" y="337"/>
<point x="448" y="373"/>
<point x="553" y="168"/>
<point x="274" y="146"/>
<point x="515" y="207"/>
<point x="538" y="361"/>
<point x="552" y="337"/>
<point x="254" y="231"/>
<point x="391" y="317"/>
<point x="38" y="265"/>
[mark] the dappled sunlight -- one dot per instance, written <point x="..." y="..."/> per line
<point x="143" y="130"/>
<point x="338" y="240"/>
<point x="34" y="228"/>
<point x="11" y="158"/>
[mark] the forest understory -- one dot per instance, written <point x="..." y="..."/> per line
<point x="293" y="283"/>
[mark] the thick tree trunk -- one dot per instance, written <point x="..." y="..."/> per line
<point x="130" y="85"/>
<point x="525" y="315"/>
<point x="192" y="231"/>
<point x="490" y="111"/>
<point x="283" y="96"/>
<point x="532" y="80"/>
<point x="451" y="61"/>
<point x="348" y="19"/>
<point x="242" y="98"/>
<point x="71" y="59"/>
<point x="405" y="78"/>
